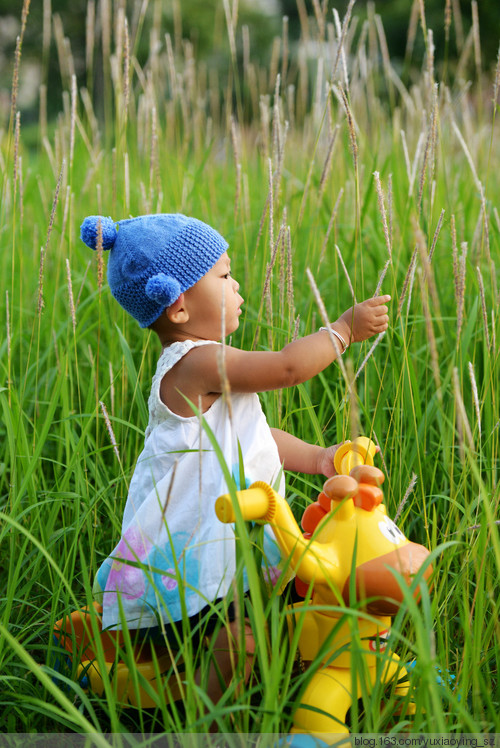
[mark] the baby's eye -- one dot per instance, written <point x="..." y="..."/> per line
<point x="227" y="275"/>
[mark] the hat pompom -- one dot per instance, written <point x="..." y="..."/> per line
<point x="89" y="231"/>
<point x="164" y="289"/>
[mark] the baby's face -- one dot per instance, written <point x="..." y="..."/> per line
<point x="206" y="300"/>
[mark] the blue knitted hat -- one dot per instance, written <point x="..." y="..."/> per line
<point x="154" y="258"/>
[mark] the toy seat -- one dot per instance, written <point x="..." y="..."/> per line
<point x="95" y="650"/>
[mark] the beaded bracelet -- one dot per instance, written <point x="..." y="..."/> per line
<point x="337" y="335"/>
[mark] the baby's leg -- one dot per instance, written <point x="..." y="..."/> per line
<point x="231" y="643"/>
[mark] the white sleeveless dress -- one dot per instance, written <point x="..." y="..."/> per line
<point x="174" y="554"/>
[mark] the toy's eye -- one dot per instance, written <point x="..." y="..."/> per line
<point x="390" y="531"/>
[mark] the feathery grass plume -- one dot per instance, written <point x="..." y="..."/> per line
<point x="430" y="49"/>
<point x="275" y="123"/>
<point x="406" y="154"/>
<point x="412" y="30"/>
<point x="265" y="119"/>
<point x="15" y="80"/>
<point x="290" y="101"/>
<point x="237" y="163"/>
<point x="271" y="263"/>
<point x="16" y="160"/>
<point x="382" y="276"/>
<point x="496" y="82"/>
<point x="172" y="73"/>
<point x="74" y="96"/>
<point x="237" y="192"/>
<point x="338" y="30"/>
<point x="430" y="336"/>
<point x="436" y="234"/>
<point x="43" y="251"/>
<point x="90" y="27"/>
<point x="410" y="274"/>
<point x="70" y="296"/>
<point x="454" y="252"/>
<point x="285" y="51"/>
<point x="351" y="128"/>
<point x="475" y="396"/>
<point x="421" y="8"/>
<point x="235" y="141"/>
<point x="460" y="288"/>
<point x="320" y="14"/>
<point x="458" y="24"/>
<point x="231" y="18"/>
<point x="281" y="157"/>
<point x="463" y="61"/>
<point x="463" y="426"/>
<point x="483" y="305"/>
<point x="99" y="255"/>
<point x="416" y="159"/>
<point x="351" y="289"/>
<point x="341" y="38"/>
<point x="421" y="243"/>
<point x="447" y="20"/>
<point x="283" y="269"/>
<point x="110" y="431"/>
<point x="369" y="354"/>
<point x="386" y="61"/>
<point x="429" y="150"/>
<point x="275" y="60"/>
<point x="497" y="217"/>
<point x="154" y="161"/>
<point x="265" y="300"/>
<point x="270" y="198"/>
<point x="408" y="492"/>
<point x="476" y="38"/>
<point x="317" y="108"/>
<point x="42" y="120"/>
<point x="324" y="317"/>
<point x="381" y="207"/>
<point x="330" y="225"/>
<point x="126" y="69"/>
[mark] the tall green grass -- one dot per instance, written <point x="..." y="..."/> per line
<point x="323" y="161"/>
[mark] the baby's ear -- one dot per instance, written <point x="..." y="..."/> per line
<point x="177" y="312"/>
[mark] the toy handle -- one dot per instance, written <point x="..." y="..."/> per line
<point x="256" y="503"/>
<point x="350" y="454"/>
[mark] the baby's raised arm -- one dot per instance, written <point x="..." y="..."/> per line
<point x="257" y="371"/>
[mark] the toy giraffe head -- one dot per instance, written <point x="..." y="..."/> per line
<point x="350" y="517"/>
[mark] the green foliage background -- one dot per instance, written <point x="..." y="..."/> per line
<point x="369" y="179"/>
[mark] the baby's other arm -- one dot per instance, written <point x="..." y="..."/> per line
<point x="302" y="457"/>
<point x="209" y="369"/>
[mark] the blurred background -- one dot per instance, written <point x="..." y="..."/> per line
<point x="57" y="28"/>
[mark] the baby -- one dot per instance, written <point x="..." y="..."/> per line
<point x="174" y="559"/>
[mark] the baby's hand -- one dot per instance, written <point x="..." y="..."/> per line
<point x="325" y="464"/>
<point x="363" y="320"/>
